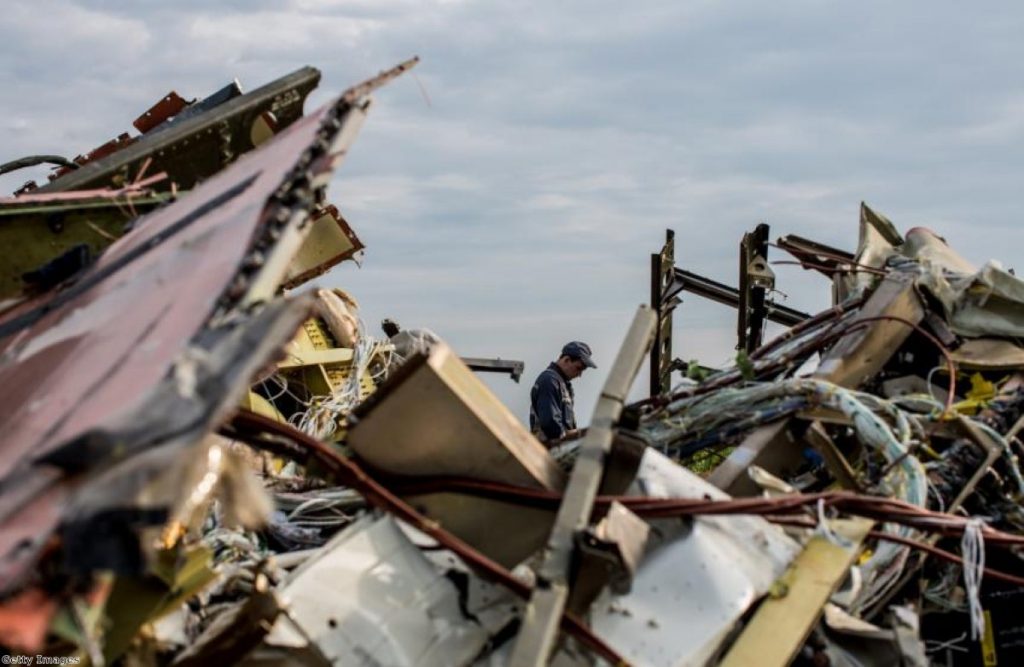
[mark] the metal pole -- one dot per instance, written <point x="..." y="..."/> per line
<point x="539" y="630"/>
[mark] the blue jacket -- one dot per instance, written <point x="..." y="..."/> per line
<point x="551" y="405"/>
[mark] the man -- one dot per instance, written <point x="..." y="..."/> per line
<point x="552" y="418"/>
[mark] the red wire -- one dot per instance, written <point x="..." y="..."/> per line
<point x="906" y="541"/>
<point x="354" y="476"/>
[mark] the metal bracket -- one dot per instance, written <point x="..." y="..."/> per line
<point x="663" y="302"/>
<point x="756" y="279"/>
<point x="514" y="369"/>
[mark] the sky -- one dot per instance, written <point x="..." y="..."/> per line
<point x="511" y="191"/>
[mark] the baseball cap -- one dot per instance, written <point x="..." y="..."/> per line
<point x="581" y="351"/>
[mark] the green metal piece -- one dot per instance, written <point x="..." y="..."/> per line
<point x="136" y="601"/>
<point x="200" y="146"/>
<point x="35" y="233"/>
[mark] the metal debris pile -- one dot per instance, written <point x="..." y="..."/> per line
<point x="902" y="404"/>
<point x="207" y="461"/>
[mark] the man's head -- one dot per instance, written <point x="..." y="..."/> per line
<point x="575" y="359"/>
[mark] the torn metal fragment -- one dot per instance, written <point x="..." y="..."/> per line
<point x="439" y="419"/>
<point x="196" y="147"/>
<point x="329" y="241"/>
<point x="144" y="353"/>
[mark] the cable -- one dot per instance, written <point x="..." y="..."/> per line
<point x="349" y="471"/>
<point x="950" y="364"/>
<point x="835" y="312"/>
<point x="33" y="160"/>
<point x="321" y="418"/>
<point x="882" y="509"/>
<point x="948" y="556"/>
<point x="972" y="544"/>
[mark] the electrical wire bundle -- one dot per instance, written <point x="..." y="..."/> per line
<point x="688" y="425"/>
<point x="329" y="508"/>
<point x="323" y="414"/>
<point x="780" y="357"/>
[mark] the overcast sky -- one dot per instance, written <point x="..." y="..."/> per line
<point x="517" y="209"/>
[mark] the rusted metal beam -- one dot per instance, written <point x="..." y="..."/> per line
<point x="730" y="296"/>
<point x="813" y="255"/>
<point x="662" y="267"/>
<point x="756" y="278"/>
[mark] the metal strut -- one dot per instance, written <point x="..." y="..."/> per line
<point x="756" y="278"/>
<point x="543" y="615"/>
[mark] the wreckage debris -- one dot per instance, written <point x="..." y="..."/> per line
<point x="207" y="462"/>
<point x="907" y="389"/>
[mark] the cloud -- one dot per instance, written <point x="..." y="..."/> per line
<point x="272" y="34"/>
<point x="64" y="36"/>
<point x="519" y="205"/>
